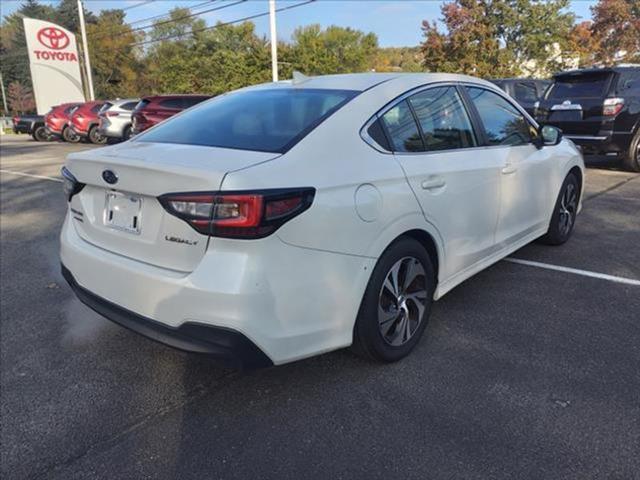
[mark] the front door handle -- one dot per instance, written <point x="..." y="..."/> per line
<point x="509" y="168"/>
<point x="433" y="183"/>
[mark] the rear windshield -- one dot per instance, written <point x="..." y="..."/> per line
<point x="142" y="103"/>
<point x="580" y="86"/>
<point x="261" y="120"/>
<point x="106" y="106"/>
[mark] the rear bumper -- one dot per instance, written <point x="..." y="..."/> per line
<point x="221" y="343"/>
<point x="609" y="143"/>
<point x="112" y="130"/>
<point x="289" y="302"/>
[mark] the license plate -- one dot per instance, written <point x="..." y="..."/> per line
<point x="122" y="212"/>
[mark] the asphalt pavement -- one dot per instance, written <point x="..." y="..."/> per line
<point x="523" y="373"/>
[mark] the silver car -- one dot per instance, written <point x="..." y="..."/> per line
<point x="115" y="118"/>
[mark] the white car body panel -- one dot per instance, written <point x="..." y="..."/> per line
<point x="297" y="292"/>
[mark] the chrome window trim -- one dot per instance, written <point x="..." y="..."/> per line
<point x="364" y="134"/>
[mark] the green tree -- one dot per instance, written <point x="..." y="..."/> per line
<point x="13" y="46"/>
<point x="334" y="50"/>
<point x="115" y="62"/>
<point x="398" y="59"/>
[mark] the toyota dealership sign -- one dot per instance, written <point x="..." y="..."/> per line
<point x="53" y="58"/>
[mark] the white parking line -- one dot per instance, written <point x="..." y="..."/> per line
<point x="585" y="273"/>
<point x="42" y="177"/>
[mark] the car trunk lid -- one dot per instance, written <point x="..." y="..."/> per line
<point x="118" y="210"/>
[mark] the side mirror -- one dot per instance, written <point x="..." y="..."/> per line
<point x="550" y="135"/>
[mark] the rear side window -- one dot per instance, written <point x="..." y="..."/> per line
<point x="189" y="102"/>
<point x="261" y="120"/>
<point x="525" y="92"/>
<point x="503" y="123"/>
<point x="443" y="119"/>
<point x="580" y="86"/>
<point x="128" y="106"/>
<point x="376" y="132"/>
<point x="172" y="103"/>
<point x="402" y="128"/>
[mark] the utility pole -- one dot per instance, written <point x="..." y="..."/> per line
<point x="4" y="97"/>
<point x="274" y="39"/>
<point x="85" y="48"/>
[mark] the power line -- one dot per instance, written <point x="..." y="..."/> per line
<point x="218" y="25"/>
<point x="136" y="5"/>
<point x="174" y="20"/>
<point x="212" y="27"/>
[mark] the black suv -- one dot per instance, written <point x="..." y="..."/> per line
<point x="526" y="91"/>
<point x="599" y="109"/>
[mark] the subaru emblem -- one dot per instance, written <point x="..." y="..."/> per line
<point x="110" y="177"/>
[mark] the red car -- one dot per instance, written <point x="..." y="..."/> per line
<point x="155" y="109"/>
<point x="85" y="121"/>
<point x="57" y="121"/>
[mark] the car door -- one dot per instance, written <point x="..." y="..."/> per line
<point x="526" y="199"/>
<point x="455" y="182"/>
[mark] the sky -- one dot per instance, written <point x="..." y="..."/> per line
<point x="395" y="22"/>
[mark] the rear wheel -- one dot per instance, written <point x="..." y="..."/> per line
<point x="96" y="137"/>
<point x="631" y="160"/>
<point x="40" y="134"/>
<point x="396" y="304"/>
<point x="126" y="134"/>
<point x="564" y="213"/>
<point x="69" y="136"/>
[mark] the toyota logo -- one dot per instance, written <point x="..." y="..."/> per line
<point x="54" y="38"/>
<point x="110" y="177"/>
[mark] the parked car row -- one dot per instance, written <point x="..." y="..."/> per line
<point x="597" y="108"/>
<point x="99" y="121"/>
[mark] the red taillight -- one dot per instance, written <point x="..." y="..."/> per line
<point x="612" y="106"/>
<point x="16" y="120"/>
<point x="239" y="214"/>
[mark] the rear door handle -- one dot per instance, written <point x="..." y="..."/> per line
<point x="433" y="183"/>
<point x="509" y="168"/>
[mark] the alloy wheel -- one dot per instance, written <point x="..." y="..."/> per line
<point x="567" y="209"/>
<point x="402" y="301"/>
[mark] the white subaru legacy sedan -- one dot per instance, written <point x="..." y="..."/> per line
<point x="289" y="219"/>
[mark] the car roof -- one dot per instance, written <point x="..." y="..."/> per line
<point x="177" y="95"/>
<point x="365" y="81"/>
<point x="581" y="71"/>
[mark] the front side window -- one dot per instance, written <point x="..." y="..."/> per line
<point x="402" y="129"/>
<point x="503" y="122"/>
<point x="443" y="119"/>
<point x="261" y="120"/>
<point x="96" y="108"/>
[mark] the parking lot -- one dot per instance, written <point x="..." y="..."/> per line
<point x="526" y="371"/>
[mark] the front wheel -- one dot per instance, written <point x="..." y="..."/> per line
<point x="564" y="213"/>
<point x="96" y="137"/>
<point x="631" y="160"/>
<point x="396" y="304"/>
<point x="69" y="136"/>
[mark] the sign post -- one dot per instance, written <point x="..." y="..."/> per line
<point x="53" y="61"/>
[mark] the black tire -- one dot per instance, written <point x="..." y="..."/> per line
<point x="565" y="210"/>
<point x="69" y="136"/>
<point x="368" y="338"/>
<point x="126" y="133"/>
<point x="40" y="134"/>
<point x="96" y="137"/>
<point x="631" y="160"/>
